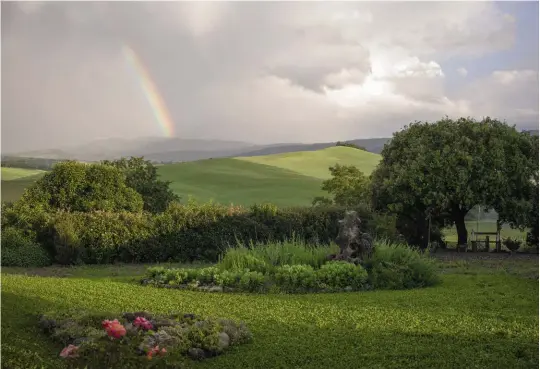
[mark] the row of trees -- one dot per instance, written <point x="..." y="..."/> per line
<point x="441" y="171"/>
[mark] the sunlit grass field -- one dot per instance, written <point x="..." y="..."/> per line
<point x="483" y="315"/>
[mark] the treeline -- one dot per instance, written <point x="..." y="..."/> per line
<point x="28" y="163"/>
<point x="351" y="145"/>
<point x="180" y="233"/>
<point x="119" y="211"/>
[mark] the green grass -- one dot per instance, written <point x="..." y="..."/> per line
<point x="481" y="316"/>
<point x="15" y="180"/>
<point x="240" y="182"/>
<point x="485" y="226"/>
<point x="9" y="174"/>
<point x="316" y="163"/>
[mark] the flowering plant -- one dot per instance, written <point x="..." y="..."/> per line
<point x="69" y="351"/>
<point x="114" y="328"/>
<point x="155" y="351"/>
<point x="142" y="323"/>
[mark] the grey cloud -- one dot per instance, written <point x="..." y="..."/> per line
<point x="245" y="71"/>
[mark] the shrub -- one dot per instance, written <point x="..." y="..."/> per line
<point x="21" y="250"/>
<point x="341" y="274"/>
<point x="185" y="233"/>
<point x="74" y="186"/>
<point x="512" y="244"/>
<point x="140" y="340"/>
<point x="296" y="277"/>
<point x="400" y="267"/>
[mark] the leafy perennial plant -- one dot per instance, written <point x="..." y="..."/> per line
<point x="140" y="340"/>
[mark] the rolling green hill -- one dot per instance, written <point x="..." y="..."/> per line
<point x="240" y="182"/>
<point x="289" y="179"/>
<point x="316" y="163"/>
<point x="15" y="180"/>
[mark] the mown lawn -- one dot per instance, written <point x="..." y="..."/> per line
<point x="483" y="315"/>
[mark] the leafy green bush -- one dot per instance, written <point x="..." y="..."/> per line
<point x="296" y="277"/>
<point x="21" y="250"/>
<point x="75" y="186"/>
<point x="342" y="274"/>
<point x="185" y="233"/>
<point x="400" y="267"/>
<point x="512" y="244"/>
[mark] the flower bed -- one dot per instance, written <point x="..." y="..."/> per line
<point x="141" y="340"/>
<point x="390" y="267"/>
<point x="334" y="276"/>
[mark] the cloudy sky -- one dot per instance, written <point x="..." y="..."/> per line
<point x="262" y="72"/>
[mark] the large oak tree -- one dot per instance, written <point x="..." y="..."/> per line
<point x="444" y="169"/>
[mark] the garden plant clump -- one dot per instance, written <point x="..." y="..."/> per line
<point x="140" y="339"/>
<point x="254" y="270"/>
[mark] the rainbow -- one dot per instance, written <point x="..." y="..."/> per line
<point x="157" y="103"/>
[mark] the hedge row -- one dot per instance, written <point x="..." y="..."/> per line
<point x="181" y="233"/>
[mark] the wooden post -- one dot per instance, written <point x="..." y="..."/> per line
<point x="474" y="247"/>
<point x="498" y="237"/>
<point x="487" y="243"/>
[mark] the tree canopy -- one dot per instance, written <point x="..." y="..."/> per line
<point x="75" y="186"/>
<point x="142" y="176"/>
<point x="348" y="186"/>
<point x="444" y="169"/>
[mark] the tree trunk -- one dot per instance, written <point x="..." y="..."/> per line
<point x="461" y="228"/>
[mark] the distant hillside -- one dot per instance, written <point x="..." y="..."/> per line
<point x="374" y="145"/>
<point x="533" y="132"/>
<point x="168" y="150"/>
<point x="316" y="163"/>
<point x="240" y="182"/>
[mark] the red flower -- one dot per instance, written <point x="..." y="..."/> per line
<point x="69" y="351"/>
<point x="114" y="328"/>
<point x="143" y="323"/>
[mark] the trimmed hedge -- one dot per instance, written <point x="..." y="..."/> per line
<point x="181" y="233"/>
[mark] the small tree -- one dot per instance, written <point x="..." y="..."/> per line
<point x="348" y="186"/>
<point x="74" y="186"/>
<point x="142" y="176"/>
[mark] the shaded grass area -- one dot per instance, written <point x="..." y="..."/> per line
<point x="480" y="317"/>
<point x="316" y="163"/>
<point x="13" y="189"/>
<point x="240" y="182"/>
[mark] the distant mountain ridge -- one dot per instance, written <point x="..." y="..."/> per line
<point x="168" y="150"/>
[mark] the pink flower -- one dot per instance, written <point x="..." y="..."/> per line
<point x="114" y="328"/>
<point x="156" y="351"/>
<point x="107" y="323"/>
<point x="142" y="323"/>
<point x="70" y="351"/>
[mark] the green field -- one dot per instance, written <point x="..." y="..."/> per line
<point x="316" y="163"/>
<point x="483" y="315"/>
<point x="291" y="179"/>
<point x="15" y="180"/>
<point x="240" y="182"/>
